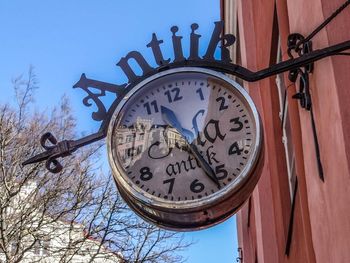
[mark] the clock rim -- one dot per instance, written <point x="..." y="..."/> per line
<point x="185" y="205"/>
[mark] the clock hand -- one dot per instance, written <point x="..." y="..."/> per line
<point x="205" y="166"/>
<point x="170" y="118"/>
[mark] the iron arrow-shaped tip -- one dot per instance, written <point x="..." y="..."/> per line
<point x="81" y="82"/>
<point x="37" y="158"/>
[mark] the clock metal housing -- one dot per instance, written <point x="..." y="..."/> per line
<point x="201" y="211"/>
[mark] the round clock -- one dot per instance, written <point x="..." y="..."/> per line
<point x="185" y="147"/>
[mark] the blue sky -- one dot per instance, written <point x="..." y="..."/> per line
<point x="63" y="39"/>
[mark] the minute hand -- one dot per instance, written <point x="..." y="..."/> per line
<point x="170" y="118"/>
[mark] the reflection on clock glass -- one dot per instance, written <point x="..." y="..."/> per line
<point x="177" y="124"/>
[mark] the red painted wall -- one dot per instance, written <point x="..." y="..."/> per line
<point x="321" y="223"/>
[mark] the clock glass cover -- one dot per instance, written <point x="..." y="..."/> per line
<point x="183" y="146"/>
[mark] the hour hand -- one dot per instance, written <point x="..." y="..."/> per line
<point x="170" y="118"/>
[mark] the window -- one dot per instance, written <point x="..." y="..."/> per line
<point x="129" y="152"/>
<point x="139" y="149"/>
<point x="120" y="139"/>
<point x="42" y="247"/>
<point x="37" y="247"/>
<point x="46" y="247"/>
<point x="286" y="128"/>
<point x="13" y="247"/>
<point x="129" y="138"/>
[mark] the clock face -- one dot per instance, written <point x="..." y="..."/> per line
<point x="184" y="139"/>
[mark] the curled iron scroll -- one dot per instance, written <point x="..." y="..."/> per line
<point x="51" y="164"/>
<point x="86" y="84"/>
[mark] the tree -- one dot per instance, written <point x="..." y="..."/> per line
<point x="76" y="215"/>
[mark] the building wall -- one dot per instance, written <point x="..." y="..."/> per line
<point x="321" y="221"/>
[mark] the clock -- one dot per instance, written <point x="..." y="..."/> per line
<point x="185" y="148"/>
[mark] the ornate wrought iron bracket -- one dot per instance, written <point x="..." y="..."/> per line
<point x="296" y="44"/>
<point x="298" y="67"/>
<point x="60" y="149"/>
<point x="299" y="45"/>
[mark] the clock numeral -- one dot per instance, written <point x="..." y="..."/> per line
<point x="196" y="186"/>
<point x="220" y="170"/>
<point x="234" y="149"/>
<point x="171" y="182"/>
<point x="200" y="92"/>
<point x="145" y="174"/>
<point x="222" y="104"/>
<point x="237" y="122"/>
<point x="148" y="107"/>
<point x="173" y="95"/>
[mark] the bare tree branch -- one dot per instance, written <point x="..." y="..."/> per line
<point x="74" y="216"/>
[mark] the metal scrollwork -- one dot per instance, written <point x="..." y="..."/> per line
<point x="296" y="43"/>
<point x="55" y="150"/>
<point x="300" y="66"/>
<point x="303" y="46"/>
<point x="85" y="84"/>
